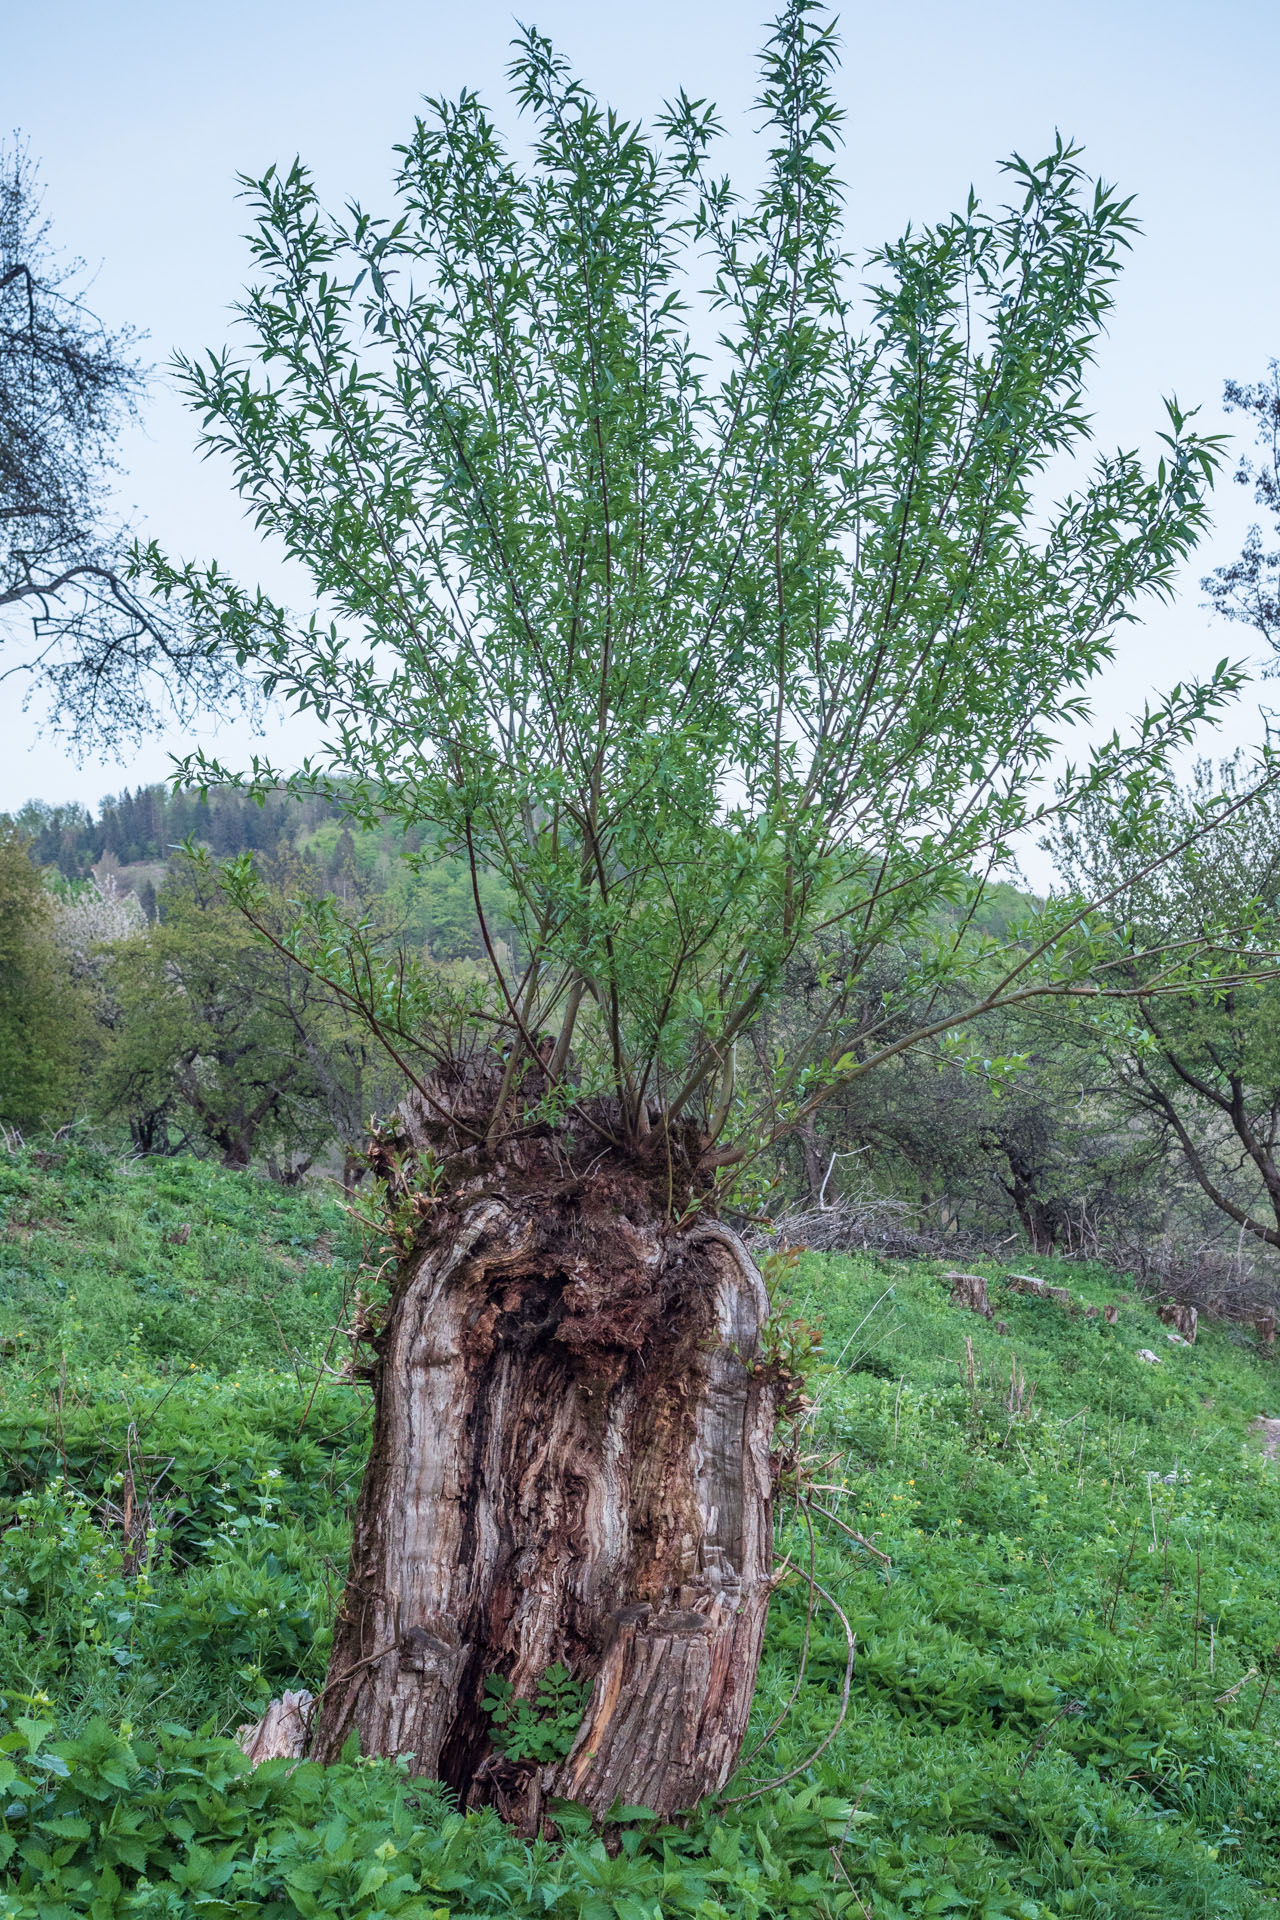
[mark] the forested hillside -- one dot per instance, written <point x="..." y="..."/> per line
<point x="136" y="839"/>
<point x="145" y="826"/>
<point x="165" y="1017"/>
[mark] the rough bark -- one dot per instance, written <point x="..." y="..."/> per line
<point x="814" y="1165"/>
<point x="1036" y="1213"/>
<point x="570" y="1464"/>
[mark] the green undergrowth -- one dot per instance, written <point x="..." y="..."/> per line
<point x="1064" y="1598"/>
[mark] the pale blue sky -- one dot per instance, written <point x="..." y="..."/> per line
<point x="142" y="114"/>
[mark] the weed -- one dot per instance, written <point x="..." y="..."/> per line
<point x="540" y="1729"/>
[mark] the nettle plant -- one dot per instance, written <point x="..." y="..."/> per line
<point x="690" y="576"/>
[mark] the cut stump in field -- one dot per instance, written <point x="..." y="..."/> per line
<point x="1028" y="1283"/>
<point x="1183" y="1320"/>
<point x="283" y="1731"/>
<point x="969" y="1290"/>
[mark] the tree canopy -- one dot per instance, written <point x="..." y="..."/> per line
<point x="1205" y="1064"/>
<point x="690" y="575"/>
<point x="1248" y="588"/>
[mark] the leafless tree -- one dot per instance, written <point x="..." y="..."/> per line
<point x="1248" y="589"/>
<point x="73" y="622"/>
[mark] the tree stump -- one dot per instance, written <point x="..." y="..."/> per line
<point x="1183" y="1320"/>
<point x="969" y="1290"/>
<point x="282" y="1732"/>
<point x="570" y="1466"/>
<point x="1028" y="1283"/>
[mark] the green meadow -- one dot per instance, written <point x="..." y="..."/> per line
<point x="1057" y="1563"/>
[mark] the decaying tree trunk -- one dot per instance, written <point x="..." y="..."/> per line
<point x="282" y="1732"/>
<point x="570" y="1464"/>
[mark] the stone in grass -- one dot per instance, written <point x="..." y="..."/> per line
<point x="1152" y="1359"/>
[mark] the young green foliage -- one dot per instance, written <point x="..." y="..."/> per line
<point x="1204" y="1063"/>
<point x="540" y="1729"/>
<point x="701" y="597"/>
<point x="44" y="1017"/>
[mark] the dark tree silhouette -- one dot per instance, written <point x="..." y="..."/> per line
<point x="1249" y="588"/>
<point x="72" y="620"/>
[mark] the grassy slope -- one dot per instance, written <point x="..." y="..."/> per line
<point x="1036" y="1724"/>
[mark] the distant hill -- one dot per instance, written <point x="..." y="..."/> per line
<point x="148" y="824"/>
<point x="134" y="836"/>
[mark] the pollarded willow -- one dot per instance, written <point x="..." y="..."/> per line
<point x="701" y="590"/>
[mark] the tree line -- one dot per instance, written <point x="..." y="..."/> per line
<point x="138" y="996"/>
<point x="147" y="824"/>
